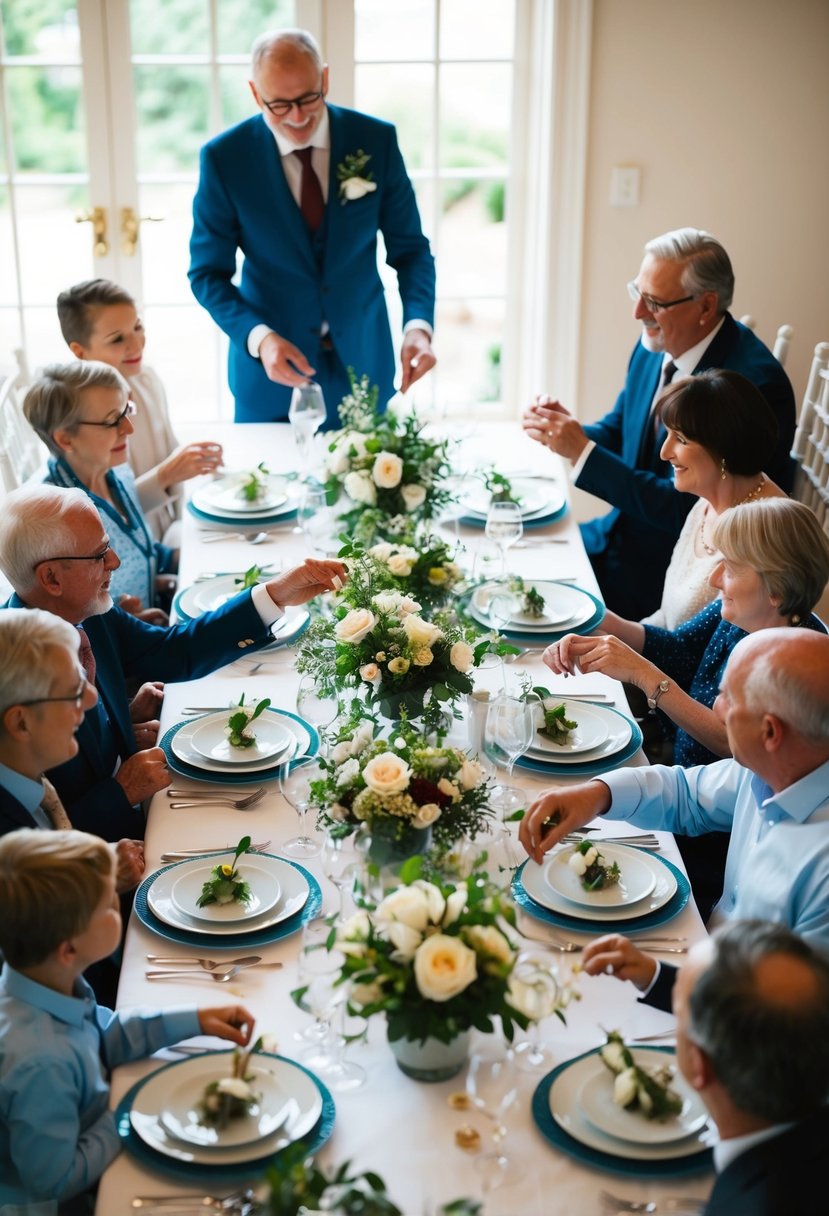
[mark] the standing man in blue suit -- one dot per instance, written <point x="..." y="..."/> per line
<point x="681" y="296"/>
<point x="303" y="190"/>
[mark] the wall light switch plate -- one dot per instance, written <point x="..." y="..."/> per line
<point x="624" y="186"/>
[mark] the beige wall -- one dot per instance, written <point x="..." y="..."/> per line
<point x="724" y="104"/>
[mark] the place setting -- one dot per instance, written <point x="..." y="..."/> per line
<point x="578" y="738"/>
<point x="221" y="1116"/>
<point x="250" y="498"/>
<point x="200" y="747"/>
<point x="534" y="612"/>
<point x="210" y="592"/>
<point x="540" y="501"/>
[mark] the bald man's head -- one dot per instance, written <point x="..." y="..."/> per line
<point x="785" y="672"/>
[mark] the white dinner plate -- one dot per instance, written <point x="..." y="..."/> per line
<point x="637" y="878"/>
<point x="619" y="736"/>
<point x="564" y="1107"/>
<point x="535" y="883"/>
<point x="294" y="891"/>
<point x="596" y="1103"/>
<point x="538" y="497"/>
<point x="224" y="494"/>
<point x="264" y="893"/>
<point x="272" y="740"/>
<point x="182" y="747"/>
<point x="167" y="1091"/>
<point x="592" y="730"/>
<point x="567" y="608"/>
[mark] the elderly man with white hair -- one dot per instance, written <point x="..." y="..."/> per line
<point x="55" y="552"/>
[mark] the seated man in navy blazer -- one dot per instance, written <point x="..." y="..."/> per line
<point x="681" y="296"/>
<point x="302" y="189"/>
<point x="55" y="552"/>
<point x="752" y="1037"/>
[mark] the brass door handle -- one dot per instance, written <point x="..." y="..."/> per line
<point x="130" y="226"/>
<point x="97" y="217"/>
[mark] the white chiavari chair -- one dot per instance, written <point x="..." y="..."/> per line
<point x="810" y="449"/>
<point x="21" y="452"/>
<point x="780" y="350"/>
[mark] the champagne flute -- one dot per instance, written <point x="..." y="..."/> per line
<point x="491" y="1084"/>
<point x="508" y="732"/>
<point x="504" y="526"/>
<point x="536" y="973"/>
<point x="295" y="779"/>
<point x="306" y="415"/>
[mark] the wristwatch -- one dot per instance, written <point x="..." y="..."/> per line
<point x="661" y="688"/>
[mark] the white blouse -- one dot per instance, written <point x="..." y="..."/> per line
<point x="686" y="590"/>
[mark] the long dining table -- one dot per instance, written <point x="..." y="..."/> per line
<point x="402" y="1128"/>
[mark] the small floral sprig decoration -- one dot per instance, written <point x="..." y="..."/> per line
<point x="532" y="601"/>
<point x="253" y="486"/>
<point x="224" y="884"/>
<point x="251" y="577"/>
<point x="403" y="780"/>
<point x="239" y="723"/>
<point x="355" y="179"/>
<point x="230" y="1097"/>
<point x="392" y="476"/>
<point x="500" y="487"/>
<point x="437" y="959"/>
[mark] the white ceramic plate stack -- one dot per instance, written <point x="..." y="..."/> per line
<point x="279" y="891"/>
<point x="222" y="498"/>
<point x="646" y="885"/>
<point x="165" y="1112"/>
<point x="565" y="608"/>
<point x="203" y="744"/>
<point x="538" y="496"/>
<point x="600" y="732"/>
<point x="581" y="1102"/>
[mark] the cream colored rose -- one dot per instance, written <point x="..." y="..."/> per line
<point x="337" y="812"/>
<point x="399" y="666"/>
<point x="461" y="656"/>
<point x="413" y="496"/>
<point x="450" y="789"/>
<point x="470" y="775"/>
<point x="427" y="814"/>
<point x="404" y="938"/>
<point x="444" y="967"/>
<point x="455" y="904"/>
<point x="366" y="994"/>
<point x="355" y="625"/>
<point x="387" y="774"/>
<point x="407" y="605"/>
<point x="400" y="565"/>
<point x="387" y="470"/>
<point x="369" y="672"/>
<point x="486" y="939"/>
<point x="434" y="898"/>
<point x="423" y="656"/>
<point x="360" y="488"/>
<point x="420" y="632"/>
<point x="408" y="905"/>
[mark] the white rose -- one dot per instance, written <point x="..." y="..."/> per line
<point x="355" y="625"/>
<point x="408" y="905"/>
<point x="407" y="605"/>
<point x="400" y="565"/>
<point x="422" y="657"/>
<point x="434" y="898"/>
<point x="337" y="460"/>
<point x="362" y="737"/>
<point x="420" y="632"/>
<point x="455" y="904"/>
<point x="352" y="935"/>
<point x="488" y="940"/>
<point x="382" y="550"/>
<point x="470" y="775"/>
<point x="444" y="967"/>
<point x="369" y="672"/>
<point x="342" y="751"/>
<point x="461" y="655"/>
<point x="387" y="470"/>
<point x="387" y="602"/>
<point x="355" y="187"/>
<point x="413" y="496"/>
<point x="387" y="774"/>
<point x="360" y="488"/>
<point x="450" y="789"/>
<point x="426" y="815"/>
<point x="236" y="1087"/>
<point x="404" y="938"/>
<point x="349" y="771"/>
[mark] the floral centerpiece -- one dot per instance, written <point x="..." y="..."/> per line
<point x="437" y="960"/>
<point x="425" y="570"/>
<point x="404" y="789"/>
<point x="392" y="477"/>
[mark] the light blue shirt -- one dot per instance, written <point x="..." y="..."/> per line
<point x="57" y="1134"/>
<point x="778" y="859"/>
<point x="28" y="793"/>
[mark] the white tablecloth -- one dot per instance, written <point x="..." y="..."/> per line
<point x="402" y="1128"/>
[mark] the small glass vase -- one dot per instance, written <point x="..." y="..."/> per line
<point x="392" y="842"/>
<point x="431" y="1060"/>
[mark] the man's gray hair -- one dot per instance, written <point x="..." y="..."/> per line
<point x="276" y="43"/>
<point x="707" y="265"/>
<point x="35" y="524"/>
<point x="55" y="400"/>
<point x="26" y="637"/>
<point x="769" y="686"/>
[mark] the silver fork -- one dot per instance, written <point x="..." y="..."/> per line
<point x="199" y="799"/>
<point x="218" y="977"/>
<point x="214" y="1202"/>
<point x="182" y="854"/>
<point x="689" y="1205"/>
<point x="208" y="964"/>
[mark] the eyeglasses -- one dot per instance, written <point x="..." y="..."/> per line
<point x="76" y="698"/>
<point x="87" y="557"/>
<point x="650" y="303"/>
<point x="129" y="411"/>
<point x="281" y="107"/>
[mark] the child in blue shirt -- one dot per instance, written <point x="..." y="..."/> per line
<point x="58" y="914"/>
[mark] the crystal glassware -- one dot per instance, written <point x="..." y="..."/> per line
<point x="504" y="526"/>
<point x="306" y="415"/>
<point x="295" y="786"/>
<point x="491" y="1083"/>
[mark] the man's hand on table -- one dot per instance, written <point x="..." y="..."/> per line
<point x="228" y="1022"/>
<point x="283" y="362"/>
<point x="143" y="775"/>
<point x="302" y="583"/>
<point x="129" y="863"/>
<point x="550" y="424"/>
<point x="560" y="811"/>
<point x="617" y="955"/>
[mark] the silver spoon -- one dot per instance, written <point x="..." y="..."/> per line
<point x="208" y="964"/>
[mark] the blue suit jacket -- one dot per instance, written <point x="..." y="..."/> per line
<point x="13" y="814"/>
<point x="637" y="537"/>
<point x="126" y="648"/>
<point x="292" y="281"/>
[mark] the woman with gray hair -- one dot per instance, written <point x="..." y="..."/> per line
<point x="82" y="413"/>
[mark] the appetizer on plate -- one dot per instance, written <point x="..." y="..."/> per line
<point x="239" y="723"/>
<point x="590" y="866"/>
<point x="532" y="601"/>
<point x="225" y="884"/>
<point x="232" y="1097"/>
<point x="646" y="1092"/>
<point x="253" y="485"/>
<point x="557" y="726"/>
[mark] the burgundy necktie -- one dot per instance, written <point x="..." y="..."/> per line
<point x="311" y="202"/>
<point x="86" y="656"/>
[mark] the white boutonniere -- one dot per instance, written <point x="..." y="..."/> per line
<point x="354" y="181"/>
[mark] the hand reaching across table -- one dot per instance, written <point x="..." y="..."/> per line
<point x="560" y="811"/>
<point x="617" y="955"/>
<point x="300" y="584"/>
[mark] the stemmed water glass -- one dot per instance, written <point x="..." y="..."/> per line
<point x="504" y="526"/>
<point x="317" y="707"/>
<point x="491" y="1084"/>
<point x="536" y="972"/>
<point x="319" y="970"/>
<point x="314" y="516"/>
<point x="295" y="779"/>
<point x="306" y="415"/>
<point x="341" y="865"/>
<point x="508" y="733"/>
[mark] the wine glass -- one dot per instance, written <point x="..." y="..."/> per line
<point x="314" y="705"/>
<point x="504" y="526"/>
<point x="314" y="516"/>
<point x="317" y="969"/>
<point x="306" y="415"/>
<point x="491" y="1084"/>
<point x="508" y="732"/>
<point x="536" y="972"/>
<point x="341" y="865"/>
<point x="295" y="785"/>
<point x="501" y="609"/>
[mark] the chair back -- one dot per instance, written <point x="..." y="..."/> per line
<point x="810" y="449"/>
<point x="780" y="350"/>
<point x="21" y="452"/>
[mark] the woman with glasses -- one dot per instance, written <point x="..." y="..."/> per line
<point x="82" y="413"/>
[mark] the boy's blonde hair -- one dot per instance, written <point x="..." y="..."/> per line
<point x="50" y="885"/>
